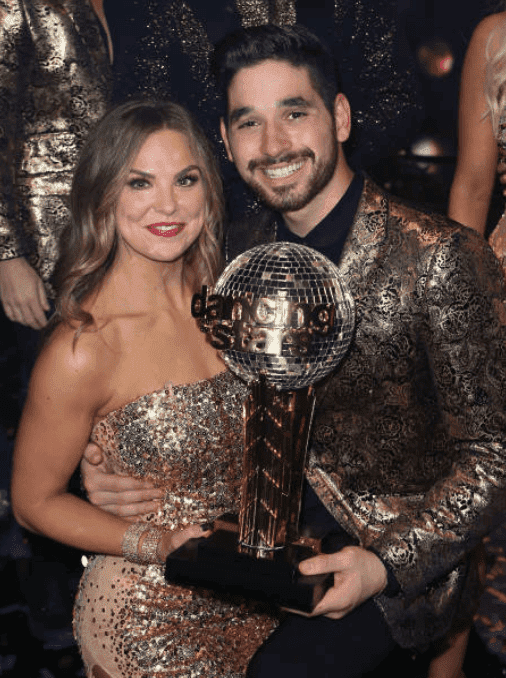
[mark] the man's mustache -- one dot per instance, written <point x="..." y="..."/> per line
<point x="268" y="160"/>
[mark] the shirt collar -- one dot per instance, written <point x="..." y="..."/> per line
<point x="329" y="235"/>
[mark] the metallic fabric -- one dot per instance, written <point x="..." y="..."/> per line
<point x="409" y="437"/>
<point x="260" y="12"/>
<point x="54" y="83"/>
<point x="188" y="440"/>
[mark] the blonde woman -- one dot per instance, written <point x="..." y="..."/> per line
<point x="482" y="145"/>
<point x="482" y="129"/>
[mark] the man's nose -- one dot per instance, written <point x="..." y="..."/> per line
<point x="275" y="140"/>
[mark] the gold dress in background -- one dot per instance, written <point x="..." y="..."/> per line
<point x="188" y="440"/>
<point x="54" y="85"/>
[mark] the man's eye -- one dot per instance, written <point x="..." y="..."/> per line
<point x="189" y="179"/>
<point x="246" y="124"/>
<point x="295" y="115"/>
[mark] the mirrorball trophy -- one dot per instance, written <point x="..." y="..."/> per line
<point x="283" y="320"/>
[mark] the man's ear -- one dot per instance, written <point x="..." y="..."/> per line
<point x="224" y="136"/>
<point x="342" y="117"/>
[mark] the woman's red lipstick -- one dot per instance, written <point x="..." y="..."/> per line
<point x="165" y="229"/>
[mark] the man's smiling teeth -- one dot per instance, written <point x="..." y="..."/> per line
<point x="281" y="172"/>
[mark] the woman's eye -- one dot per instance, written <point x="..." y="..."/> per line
<point x="138" y="183"/>
<point x="189" y="179"/>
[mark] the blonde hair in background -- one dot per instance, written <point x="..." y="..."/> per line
<point x="495" y="79"/>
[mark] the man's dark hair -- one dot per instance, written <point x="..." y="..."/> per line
<point x="294" y="44"/>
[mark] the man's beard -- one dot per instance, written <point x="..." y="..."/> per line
<point x="284" y="198"/>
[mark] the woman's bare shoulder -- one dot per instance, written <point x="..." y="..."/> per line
<point x="71" y="363"/>
<point x="488" y="26"/>
<point x="86" y="349"/>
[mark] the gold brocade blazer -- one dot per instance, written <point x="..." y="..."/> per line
<point x="408" y="446"/>
<point x="54" y="84"/>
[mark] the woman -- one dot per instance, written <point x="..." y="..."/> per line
<point x="127" y="366"/>
<point x="482" y="129"/>
<point x="482" y="143"/>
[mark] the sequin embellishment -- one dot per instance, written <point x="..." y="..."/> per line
<point x="128" y="621"/>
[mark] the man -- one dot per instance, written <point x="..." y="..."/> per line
<point x="162" y="50"/>
<point x="408" y="459"/>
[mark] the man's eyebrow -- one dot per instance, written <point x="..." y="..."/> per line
<point x="239" y="112"/>
<point x="295" y="101"/>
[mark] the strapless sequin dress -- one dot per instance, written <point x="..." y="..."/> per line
<point x="128" y="621"/>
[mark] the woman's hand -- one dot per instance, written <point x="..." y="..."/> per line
<point x="172" y="540"/>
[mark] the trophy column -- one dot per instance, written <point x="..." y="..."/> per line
<point x="276" y="432"/>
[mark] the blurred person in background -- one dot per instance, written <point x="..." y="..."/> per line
<point x="55" y="61"/>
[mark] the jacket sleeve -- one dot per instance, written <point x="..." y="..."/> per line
<point x="14" y="68"/>
<point x="463" y="302"/>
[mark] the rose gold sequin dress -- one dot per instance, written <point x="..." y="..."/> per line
<point x="128" y="621"/>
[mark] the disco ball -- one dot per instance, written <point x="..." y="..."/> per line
<point x="290" y="317"/>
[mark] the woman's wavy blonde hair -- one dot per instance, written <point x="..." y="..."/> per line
<point x="89" y="244"/>
<point x="495" y="78"/>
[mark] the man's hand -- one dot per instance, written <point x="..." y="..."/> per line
<point x="121" y="495"/>
<point x="22" y="293"/>
<point x="358" y="575"/>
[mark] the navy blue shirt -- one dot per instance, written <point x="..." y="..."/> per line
<point x="329" y="235"/>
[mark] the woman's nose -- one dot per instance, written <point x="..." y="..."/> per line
<point x="165" y="200"/>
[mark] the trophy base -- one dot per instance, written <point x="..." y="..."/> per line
<point x="217" y="562"/>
